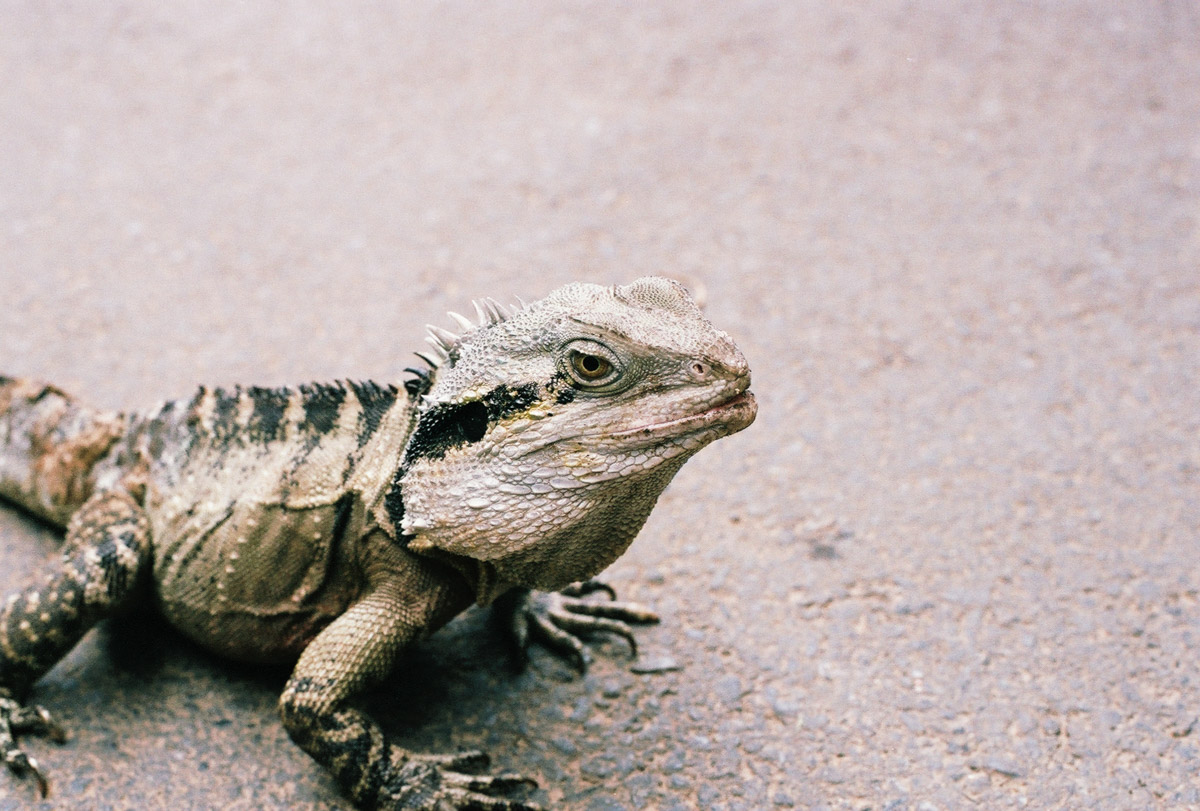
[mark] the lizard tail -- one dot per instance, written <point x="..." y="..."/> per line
<point x="49" y="444"/>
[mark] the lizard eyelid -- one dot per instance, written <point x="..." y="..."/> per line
<point x="592" y="365"/>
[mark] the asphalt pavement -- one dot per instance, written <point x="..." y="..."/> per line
<point x="955" y="564"/>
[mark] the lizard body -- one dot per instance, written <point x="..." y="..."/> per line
<point x="334" y="524"/>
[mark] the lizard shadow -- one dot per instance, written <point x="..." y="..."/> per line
<point x="467" y="688"/>
<point x="465" y="676"/>
<point x="140" y="690"/>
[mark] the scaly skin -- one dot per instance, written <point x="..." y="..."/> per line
<point x="333" y="525"/>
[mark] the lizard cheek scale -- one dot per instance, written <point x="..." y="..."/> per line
<point x="332" y="525"/>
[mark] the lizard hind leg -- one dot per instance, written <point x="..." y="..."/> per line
<point x="107" y="551"/>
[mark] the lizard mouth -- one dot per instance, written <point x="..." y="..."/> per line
<point x="728" y="416"/>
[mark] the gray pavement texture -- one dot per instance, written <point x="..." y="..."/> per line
<point x="955" y="562"/>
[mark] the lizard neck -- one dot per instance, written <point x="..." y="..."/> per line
<point x="547" y="546"/>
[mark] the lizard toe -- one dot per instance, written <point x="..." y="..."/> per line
<point x="19" y="719"/>
<point x="424" y="783"/>
<point x="489" y="782"/>
<point x="585" y="587"/>
<point x="559" y="619"/>
<point x="471" y="760"/>
<point x="34" y="720"/>
<point x="21" y="764"/>
<point x="475" y="801"/>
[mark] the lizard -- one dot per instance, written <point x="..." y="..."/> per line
<point x="334" y="525"/>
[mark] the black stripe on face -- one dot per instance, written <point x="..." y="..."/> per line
<point x="451" y="425"/>
<point x="560" y="389"/>
<point x="375" y="401"/>
<point x="504" y="401"/>
<point x="446" y="426"/>
<point x="322" y="402"/>
<point x="266" y="419"/>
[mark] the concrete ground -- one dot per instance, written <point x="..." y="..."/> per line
<point x="955" y="563"/>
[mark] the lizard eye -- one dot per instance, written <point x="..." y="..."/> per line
<point x="592" y="365"/>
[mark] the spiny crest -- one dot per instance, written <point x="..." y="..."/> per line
<point x="444" y="343"/>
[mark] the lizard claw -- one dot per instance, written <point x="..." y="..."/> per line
<point x="20" y="763"/>
<point x="558" y="618"/>
<point x="586" y="587"/>
<point x="432" y="782"/>
<point x="16" y="719"/>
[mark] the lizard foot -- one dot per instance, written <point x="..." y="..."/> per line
<point x="433" y="783"/>
<point x="17" y="719"/>
<point x="558" y="618"/>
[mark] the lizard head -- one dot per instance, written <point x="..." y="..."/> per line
<point x="548" y="432"/>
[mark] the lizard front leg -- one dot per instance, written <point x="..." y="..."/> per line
<point x="107" y="549"/>
<point x="558" y="618"/>
<point x="357" y="649"/>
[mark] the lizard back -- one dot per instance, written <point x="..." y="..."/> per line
<point x="243" y="481"/>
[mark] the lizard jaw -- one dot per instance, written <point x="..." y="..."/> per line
<point x="730" y="416"/>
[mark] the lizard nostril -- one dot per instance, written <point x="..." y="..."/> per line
<point x="700" y="370"/>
